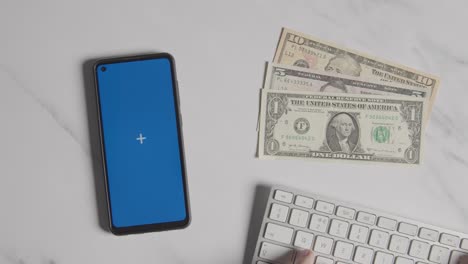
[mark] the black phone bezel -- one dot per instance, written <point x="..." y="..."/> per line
<point x="156" y="226"/>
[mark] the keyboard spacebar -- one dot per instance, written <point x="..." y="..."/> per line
<point x="278" y="254"/>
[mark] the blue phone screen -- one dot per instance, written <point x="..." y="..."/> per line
<point x="141" y="142"/>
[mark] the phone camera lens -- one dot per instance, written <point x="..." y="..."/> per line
<point x="103" y="69"/>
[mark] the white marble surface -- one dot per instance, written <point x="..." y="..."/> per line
<point x="48" y="202"/>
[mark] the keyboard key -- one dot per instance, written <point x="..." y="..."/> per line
<point x="363" y="255"/>
<point x="278" y="254"/>
<point x="439" y="255"/>
<point x="399" y="244"/>
<point x="383" y="258"/>
<point x="343" y="250"/>
<point x="458" y="257"/>
<point x="303" y="240"/>
<point x="378" y="239"/>
<point x="428" y="234"/>
<point x="419" y="249"/>
<point x="283" y="196"/>
<point x="387" y="223"/>
<point x="278" y="212"/>
<point x="464" y="244"/>
<point x="345" y="212"/>
<point x="304" y="202"/>
<point x="338" y="228"/>
<point x="449" y="240"/>
<point x="358" y="233"/>
<point x="299" y="218"/>
<point x="278" y="233"/>
<point x="401" y="260"/>
<point x="322" y="260"/>
<point x="324" y="207"/>
<point x="323" y="245"/>
<point x="366" y="218"/>
<point x="407" y="229"/>
<point x="318" y="223"/>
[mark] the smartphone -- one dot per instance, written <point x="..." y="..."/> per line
<point x="141" y="141"/>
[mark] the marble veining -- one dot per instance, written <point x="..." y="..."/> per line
<point x="48" y="108"/>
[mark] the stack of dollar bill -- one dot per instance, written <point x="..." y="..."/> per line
<point x="323" y="101"/>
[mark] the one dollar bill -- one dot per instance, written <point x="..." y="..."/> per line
<point x="368" y="128"/>
<point x="298" y="49"/>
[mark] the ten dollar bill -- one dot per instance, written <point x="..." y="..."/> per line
<point x="298" y="49"/>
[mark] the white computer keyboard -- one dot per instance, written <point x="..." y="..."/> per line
<point x="341" y="233"/>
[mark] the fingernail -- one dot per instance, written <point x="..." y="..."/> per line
<point x="305" y="252"/>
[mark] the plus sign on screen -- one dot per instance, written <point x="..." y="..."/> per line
<point x="141" y="138"/>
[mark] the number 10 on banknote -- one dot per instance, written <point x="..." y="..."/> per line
<point x="340" y="127"/>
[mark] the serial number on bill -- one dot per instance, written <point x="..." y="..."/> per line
<point x="382" y="117"/>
